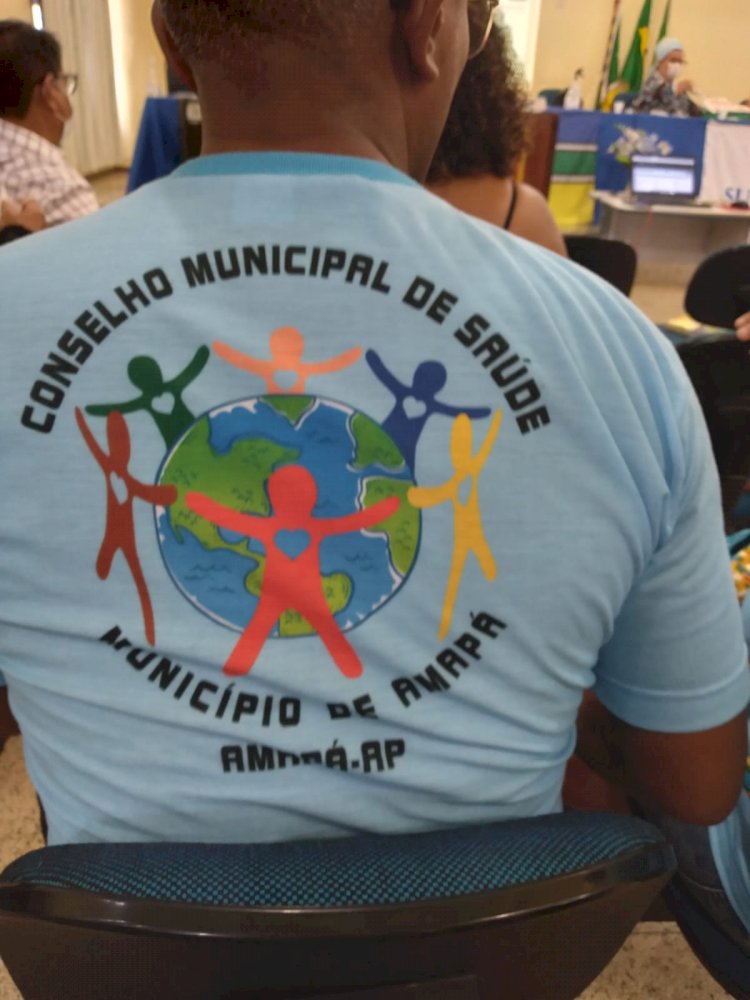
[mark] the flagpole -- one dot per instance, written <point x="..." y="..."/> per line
<point x="608" y="56"/>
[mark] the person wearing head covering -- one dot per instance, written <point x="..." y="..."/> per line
<point x="662" y="90"/>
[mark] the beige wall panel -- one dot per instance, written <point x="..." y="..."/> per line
<point x="139" y="65"/>
<point x="20" y="9"/>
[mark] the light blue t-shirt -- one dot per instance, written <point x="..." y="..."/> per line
<point x="322" y="504"/>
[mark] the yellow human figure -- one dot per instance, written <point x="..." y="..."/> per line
<point x="468" y="531"/>
<point x="287" y="345"/>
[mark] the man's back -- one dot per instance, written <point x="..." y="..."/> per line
<point x="323" y="504"/>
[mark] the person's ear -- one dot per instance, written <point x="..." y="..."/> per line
<point x="168" y="47"/>
<point x="421" y="22"/>
<point x="54" y="98"/>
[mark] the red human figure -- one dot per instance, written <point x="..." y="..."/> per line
<point x="119" y="533"/>
<point x="291" y="581"/>
<point x="287" y="345"/>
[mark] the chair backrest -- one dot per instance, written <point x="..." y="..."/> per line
<point x="524" y="909"/>
<point x="612" y="260"/>
<point x="536" y="166"/>
<point x="554" y="96"/>
<point x="719" y="291"/>
<point x="719" y="368"/>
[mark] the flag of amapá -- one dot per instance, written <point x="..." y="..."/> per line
<point x="664" y="30"/>
<point x="632" y="71"/>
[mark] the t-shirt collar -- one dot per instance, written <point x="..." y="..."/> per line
<point x="300" y="164"/>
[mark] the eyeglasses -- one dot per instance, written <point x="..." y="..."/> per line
<point x="69" y="82"/>
<point x="481" y="13"/>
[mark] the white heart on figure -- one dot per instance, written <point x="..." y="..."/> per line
<point x="414" y="408"/>
<point x="164" y="404"/>
<point x="119" y="487"/>
<point x="465" y="489"/>
<point x="286" y="378"/>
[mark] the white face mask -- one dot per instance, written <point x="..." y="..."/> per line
<point x="673" y="70"/>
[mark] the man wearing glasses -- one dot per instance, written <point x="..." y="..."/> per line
<point x="259" y="659"/>
<point x="34" y="108"/>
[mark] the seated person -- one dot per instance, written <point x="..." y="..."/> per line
<point x="483" y="140"/>
<point x="34" y="107"/>
<point x="320" y="512"/>
<point x="20" y="220"/>
<point x="662" y="91"/>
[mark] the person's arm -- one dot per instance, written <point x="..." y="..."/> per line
<point x="533" y="220"/>
<point x="8" y="724"/>
<point x="742" y="326"/>
<point x="695" y="777"/>
<point x="20" y="220"/>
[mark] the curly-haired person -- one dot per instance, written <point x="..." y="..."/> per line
<point x="484" y="138"/>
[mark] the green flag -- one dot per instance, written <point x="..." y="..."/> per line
<point x="632" y="71"/>
<point x="614" y="60"/>
<point x="664" y="31"/>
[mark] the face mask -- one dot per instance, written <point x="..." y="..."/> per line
<point x="673" y="70"/>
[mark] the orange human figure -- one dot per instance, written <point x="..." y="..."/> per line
<point x="119" y="532"/>
<point x="287" y="345"/>
<point x="291" y="581"/>
<point x="468" y="531"/>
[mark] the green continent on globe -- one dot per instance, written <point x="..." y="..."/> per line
<point x="402" y="528"/>
<point x="373" y="445"/>
<point x="292" y="407"/>
<point x="196" y="466"/>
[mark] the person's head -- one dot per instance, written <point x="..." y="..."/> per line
<point x="486" y="131"/>
<point x="669" y="58"/>
<point x="33" y="90"/>
<point x="323" y="74"/>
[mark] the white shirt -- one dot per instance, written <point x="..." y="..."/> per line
<point x="33" y="167"/>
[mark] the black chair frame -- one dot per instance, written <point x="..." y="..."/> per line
<point x="506" y="942"/>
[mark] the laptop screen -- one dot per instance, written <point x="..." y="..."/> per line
<point x="664" y="175"/>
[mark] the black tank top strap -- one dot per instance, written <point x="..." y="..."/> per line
<point x="512" y="206"/>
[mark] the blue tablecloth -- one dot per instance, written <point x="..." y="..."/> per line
<point x="686" y="136"/>
<point x="158" y="150"/>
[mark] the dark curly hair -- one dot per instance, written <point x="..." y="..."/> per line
<point x="486" y="131"/>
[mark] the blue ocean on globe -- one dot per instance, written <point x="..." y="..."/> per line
<point x="228" y="455"/>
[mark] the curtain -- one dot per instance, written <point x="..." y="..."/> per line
<point x="92" y="139"/>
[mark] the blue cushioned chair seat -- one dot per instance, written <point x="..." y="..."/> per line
<point x="357" y="871"/>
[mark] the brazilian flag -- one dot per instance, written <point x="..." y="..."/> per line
<point x="632" y="71"/>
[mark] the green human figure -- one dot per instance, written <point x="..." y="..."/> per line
<point x="162" y="399"/>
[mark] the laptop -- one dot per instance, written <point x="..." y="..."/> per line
<point x="664" y="180"/>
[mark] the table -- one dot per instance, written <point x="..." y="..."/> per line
<point x="670" y="233"/>
<point x="583" y="162"/>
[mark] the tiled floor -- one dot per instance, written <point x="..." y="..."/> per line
<point x="654" y="962"/>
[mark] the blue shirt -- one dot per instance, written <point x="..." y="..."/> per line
<point x="322" y="504"/>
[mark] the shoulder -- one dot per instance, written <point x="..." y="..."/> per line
<point x="533" y="220"/>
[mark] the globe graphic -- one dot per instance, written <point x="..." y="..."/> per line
<point x="228" y="455"/>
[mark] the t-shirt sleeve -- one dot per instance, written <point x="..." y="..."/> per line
<point x="677" y="660"/>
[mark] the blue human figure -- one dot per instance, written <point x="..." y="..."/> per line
<point x="416" y="403"/>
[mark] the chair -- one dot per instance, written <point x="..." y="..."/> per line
<point x="612" y="260"/>
<point x="527" y="909"/>
<point x="722" y="957"/>
<point x="719" y="368"/>
<point x="536" y="166"/>
<point x="719" y="291"/>
<point x="554" y="96"/>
